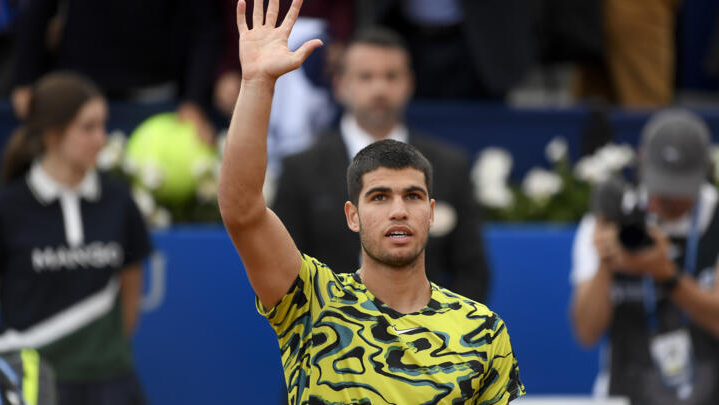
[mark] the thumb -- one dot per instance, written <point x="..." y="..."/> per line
<point x="306" y="50"/>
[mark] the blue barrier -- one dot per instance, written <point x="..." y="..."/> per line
<point x="204" y="342"/>
<point x="201" y="340"/>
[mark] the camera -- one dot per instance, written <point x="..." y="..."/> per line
<point x="617" y="202"/>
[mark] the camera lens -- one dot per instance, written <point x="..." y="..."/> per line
<point x="634" y="236"/>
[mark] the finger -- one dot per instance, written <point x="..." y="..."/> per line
<point x="272" y="11"/>
<point x="658" y="236"/>
<point x="241" y="20"/>
<point x="292" y="14"/>
<point x="258" y="13"/>
<point x="305" y="51"/>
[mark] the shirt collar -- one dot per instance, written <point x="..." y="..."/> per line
<point x="357" y="138"/>
<point x="47" y="190"/>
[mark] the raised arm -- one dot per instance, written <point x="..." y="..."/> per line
<point x="270" y="257"/>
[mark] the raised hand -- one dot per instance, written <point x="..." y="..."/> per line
<point x="263" y="49"/>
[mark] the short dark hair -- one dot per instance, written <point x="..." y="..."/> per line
<point x="378" y="36"/>
<point x="386" y="153"/>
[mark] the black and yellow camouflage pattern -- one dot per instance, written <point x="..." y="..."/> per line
<point x="341" y="345"/>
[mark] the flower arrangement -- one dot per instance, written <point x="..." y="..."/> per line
<point x="559" y="195"/>
<point x="147" y="179"/>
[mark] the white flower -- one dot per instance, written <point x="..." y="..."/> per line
<point x="494" y="195"/>
<point x="220" y="142"/>
<point x="615" y="157"/>
<point x="207" y="189"/>
<point x="591" y="169"/>
<point x="111" y="154"/>
<point x="604" y="163"/>
<point x="556" y="149"/>
<point x="161" y="218"/>
<point x="489" y="175"/>
<point x="445" y="219"/>
<point x="203" y="167"/>
<point x="151" y="176"/>
<point x="130" y="166"/>
<point x="145" y="202"/>
<point x="492" y="166"/>
<point x="540" y="184"/>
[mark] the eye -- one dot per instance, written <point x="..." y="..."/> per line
<point x="378" y="197"/>
<point x="414" y="196"/>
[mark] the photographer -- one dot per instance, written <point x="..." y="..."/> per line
<point x="656" y="297"/>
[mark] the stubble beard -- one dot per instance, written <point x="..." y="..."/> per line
<point x="383" y="120"/>
<point x="396" y="261"/>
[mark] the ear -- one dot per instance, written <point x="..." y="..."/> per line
<point x="352" y="216"/>
<point x="431" y="212"/>
<point x="50" y="138"/>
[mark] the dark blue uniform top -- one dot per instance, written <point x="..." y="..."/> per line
<point x="62" y="297"/>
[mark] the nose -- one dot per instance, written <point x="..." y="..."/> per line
<point x="378" y="86"/>
<point x="398" y="209"/>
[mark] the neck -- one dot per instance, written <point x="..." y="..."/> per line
<point x="405" y="290"/>
<point x="378" y="132"/>
<point x="61" y="171"/>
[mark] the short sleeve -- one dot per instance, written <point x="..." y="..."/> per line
<point x="501" y="382"/>
<point x="137" y="239"/>
<point x="294" y="311"/>
<point x="585" y="259"/>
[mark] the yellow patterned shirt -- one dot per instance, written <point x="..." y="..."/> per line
<point x="341" y="345"/>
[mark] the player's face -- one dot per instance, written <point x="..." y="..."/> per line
<point x="393" y="216"/>
<point x="85" y="136"/>
<point x="669" y="208"/>
<point x="375" y="84"/>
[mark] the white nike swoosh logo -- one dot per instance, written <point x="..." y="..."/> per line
<point x="403" y="331"/>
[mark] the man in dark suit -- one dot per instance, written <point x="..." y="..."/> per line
<point x="374" y="84"/>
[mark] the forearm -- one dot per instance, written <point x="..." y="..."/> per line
<point x="245" y="157"/>
<point x="130" y="287"/>
<point x="592" y="308"/>
<point x="701" y="305"/>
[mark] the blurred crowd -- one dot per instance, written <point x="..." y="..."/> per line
<point x="185" y="52"/>
<point x="624" y="52"/>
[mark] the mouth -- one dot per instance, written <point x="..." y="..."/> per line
<point x="398" y="234"/>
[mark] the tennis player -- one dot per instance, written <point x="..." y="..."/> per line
<point x="382" y="335"/>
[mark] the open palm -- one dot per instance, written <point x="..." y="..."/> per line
<point x="263" y="49"/>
